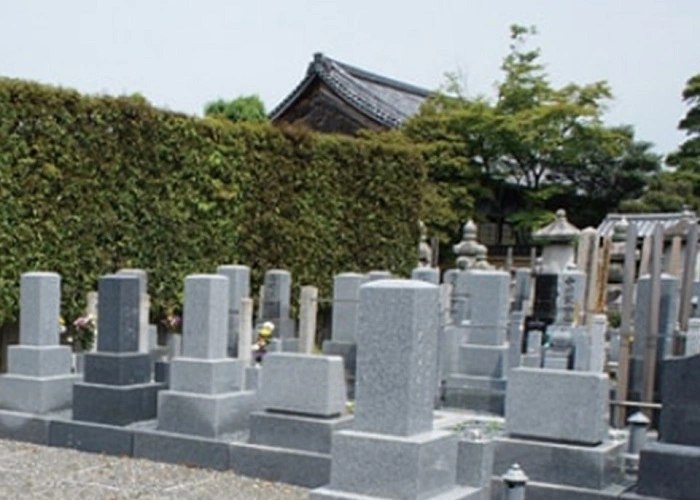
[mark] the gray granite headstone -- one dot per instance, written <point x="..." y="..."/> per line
<point x="557" y="405"/>
<point x="396" y="353"/>
<point x="427" y="274"/>
<point x="117" y="388"/>
<point x="304" y="384"/>
<point x="276" y="302"/>
<point x="378" y="275"/>
<point x="346" y="306"/>
<point x="523" y="286"/>
<point x="205" y="396"/>
<point x="239" y="288"/>
<point x="39" y="378"/>
<point x="392" y="450"/>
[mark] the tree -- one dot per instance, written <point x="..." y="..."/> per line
<point x="242" y="109"/>
<point x="549" y="142"/>
<point x="673" y="190"/>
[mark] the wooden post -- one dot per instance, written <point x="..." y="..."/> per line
<point x="691" y="251"/>
<point x="653" y="334"/>
<point x="646" y="254"/>
<point x="626" y="323"/>
<point x="603" y="271"/>
<point x="674" y="262"/>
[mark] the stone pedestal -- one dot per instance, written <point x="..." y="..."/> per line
<point x="557" y="431"/>
<point x="38" y="378"/>
<point x="117" y="389"/>
<point x="205" y="396"/>
<point x="392" y="450"/>
<point x="303" y="411"/>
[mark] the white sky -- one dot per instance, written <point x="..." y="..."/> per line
<point x="180" y="54"/>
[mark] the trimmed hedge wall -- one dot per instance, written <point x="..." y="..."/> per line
<point x="92" y="184"/>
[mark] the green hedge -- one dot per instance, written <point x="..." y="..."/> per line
<point x="92" y="184"/>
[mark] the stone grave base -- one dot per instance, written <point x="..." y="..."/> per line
<point x="483" y="360"/>
<point x="252" y="377"/>
<point x="301" y="468"/>
<point x="669" y="471"/>
<point x="295" y="431"/>
<point x="24" y="427"/>
<point x="544" y="491"/>
<point x="385" y="466"/>
<point x="207" y="415"/>
<point x="39" y="361"/>
<point x="115" y="405"/>
<point x="180" y="449"/>
<point x="39" y="395"/>
<point x="122" y="368"/>
<point x="481" y="394"/>
<point x="591" y="467"/>
<point x="456" y="493"/>
<point x="161" y="373"/>
<point x="91" y="437"/>
<point x="206" y="376"/>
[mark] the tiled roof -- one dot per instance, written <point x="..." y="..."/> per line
<point x="672" y="222"/>
<point x="388" y="102"/>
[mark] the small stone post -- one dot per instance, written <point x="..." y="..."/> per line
<point x="245" y="331"/>
<point x="514" y="483"/>
<point x="638" y="424"/>
<point x="308" y="310"/>
<point x="638" y="427"/>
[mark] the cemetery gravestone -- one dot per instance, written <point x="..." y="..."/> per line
<point x="276" y="307"/>
<point x="392" y="450"/>
<point x="239" y="288"/>
<point x="205" y="396"/>
<point x="668" y="468"/>
<point x="557" y="430"/>
<point x="39" y="378"/>
<point x="117" y="388"/>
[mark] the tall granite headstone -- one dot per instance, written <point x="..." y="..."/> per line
<point x="239" y="288"/>
<point x="392" y="450"/>
<point x="345" y="319"/>
<point x="205" y="396"/>
<point x="39" y="378"/>
<point x="276" y="302"/>
<point x="117" y="388"/>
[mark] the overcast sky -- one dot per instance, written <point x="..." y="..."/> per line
<point x="180" y="54"/>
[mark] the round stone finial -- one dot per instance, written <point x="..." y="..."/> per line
<point x="423" y="230"/>
<point x="639" y="419"/>
<point x="469" y="231"/>
<point x="515" y="476"/>
<point x="474" y="435"/>
<point x="561" y="214"/>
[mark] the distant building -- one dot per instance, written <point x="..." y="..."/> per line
<point x="335" y="97"/>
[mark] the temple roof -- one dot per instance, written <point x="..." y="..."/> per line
<point x="386" y="101"/>
<point x="673" y="223"/>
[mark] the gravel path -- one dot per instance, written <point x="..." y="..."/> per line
<point x="32" y="471"/>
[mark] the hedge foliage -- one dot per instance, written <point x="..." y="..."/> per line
<point x="92" y="184"/>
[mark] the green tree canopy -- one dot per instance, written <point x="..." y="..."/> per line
<point x="548" y="141"/>
<point x="679" y="188"/>
<point x="242" y="109"/>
